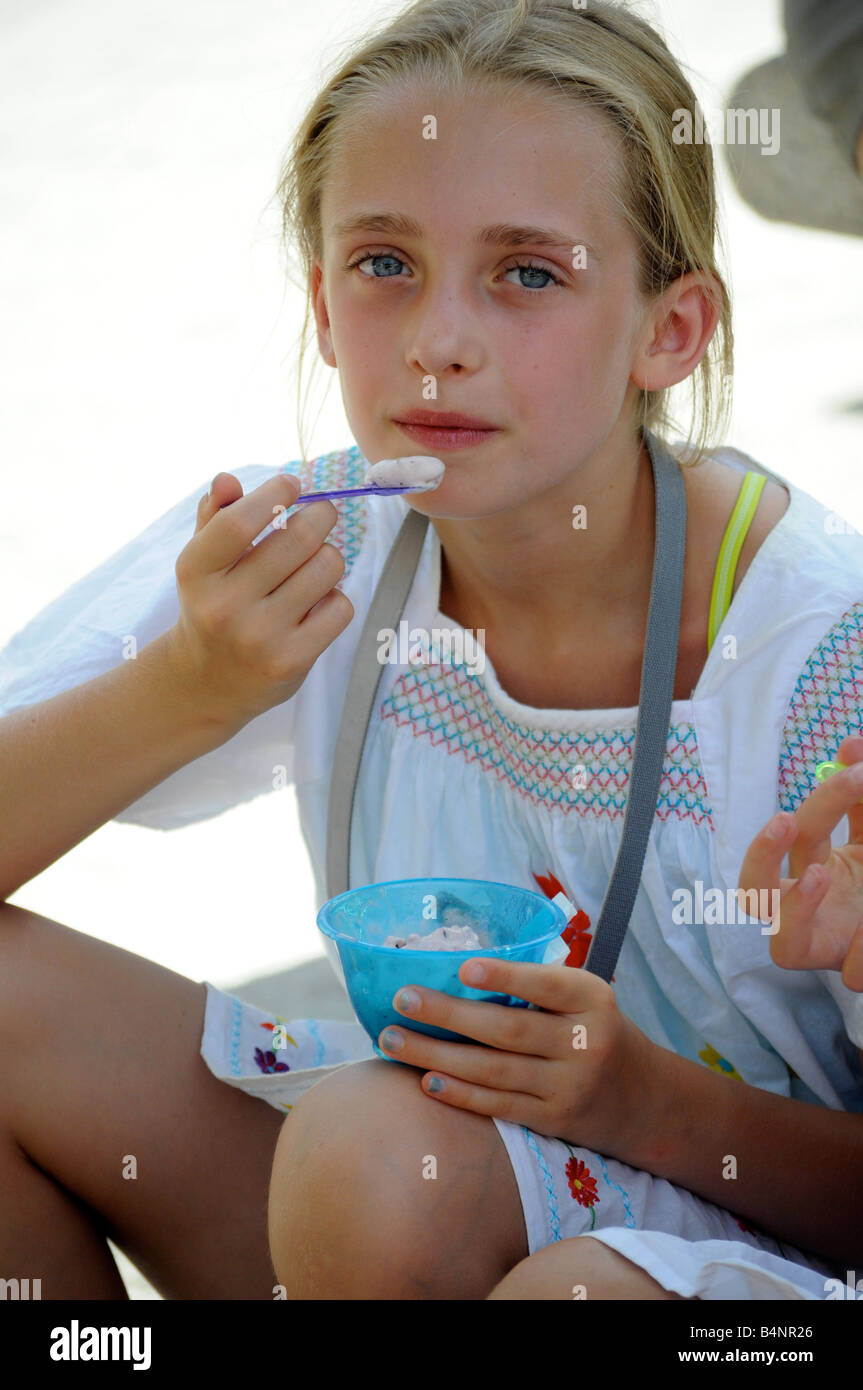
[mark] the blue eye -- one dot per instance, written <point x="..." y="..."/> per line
<point x="537" y="270"/>
<point x="376" y="256"/>
<point x="520" y="266"/>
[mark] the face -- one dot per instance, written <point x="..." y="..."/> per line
<point x="438" y="318"/>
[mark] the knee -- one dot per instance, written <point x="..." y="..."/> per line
<point x="344" y="1190"/>
<point x="578" y="1268"/>
<point x="376" y="1190"/>
<point x="560" y="1270"/>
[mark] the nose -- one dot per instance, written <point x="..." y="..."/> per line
<point x="445" y="336"/>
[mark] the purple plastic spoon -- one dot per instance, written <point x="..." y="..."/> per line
<point x="368" y="490"/>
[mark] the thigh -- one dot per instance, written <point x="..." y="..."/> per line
<point x="378" y="1192"/>
<point x="103" y="1087"/>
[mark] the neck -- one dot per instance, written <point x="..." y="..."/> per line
<point x="530" y="573"/>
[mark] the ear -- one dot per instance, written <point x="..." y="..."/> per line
<point x="322" y="319"/>
<point x="676" y="332"/>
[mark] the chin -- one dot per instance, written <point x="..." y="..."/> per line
<point x="478" y="511"/>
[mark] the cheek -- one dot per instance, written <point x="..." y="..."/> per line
<point x="363" y="348"/>
<point x="358" y="334"/>
<point x="565" y="370"/>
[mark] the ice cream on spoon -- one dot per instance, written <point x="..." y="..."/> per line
<point x="419" y="472"/>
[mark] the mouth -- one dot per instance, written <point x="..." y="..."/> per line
<point x="442" y="430"/>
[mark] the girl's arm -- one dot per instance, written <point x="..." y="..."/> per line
<point x="253" y="620"/>
<point x="796" y="1169"/>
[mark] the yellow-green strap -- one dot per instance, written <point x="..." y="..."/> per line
<point x="729" y="552"/>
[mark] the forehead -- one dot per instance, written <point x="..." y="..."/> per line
<point x="528" y="156"/>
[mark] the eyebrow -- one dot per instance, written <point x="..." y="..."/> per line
<point x="498" y="234"/>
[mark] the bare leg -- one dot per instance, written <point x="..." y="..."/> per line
<point x="47" y="1234"/>
<point x="99" y="1061"/>
<point x="581" y="1268"/>
<point x="380" y="1193"/>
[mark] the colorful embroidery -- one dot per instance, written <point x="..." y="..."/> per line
<point x="266" y="1061"/>
<point x="720" y="1064"/>
<point x="825" y="708"/>
<point x="581" y="1184"/>
<point x="548" y="1183"/>
<point x="279" y="1024"/>
<point x="448" y="705"/>
<point x="628" y="1220"/>
<point x="339" y="468"/>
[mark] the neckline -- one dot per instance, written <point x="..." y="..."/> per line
<point x="551" y="719"/>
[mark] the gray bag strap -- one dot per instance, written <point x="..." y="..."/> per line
<point x="386" y="607"/>
<point x="658" y="671"/>
<point x="655" y="694"/>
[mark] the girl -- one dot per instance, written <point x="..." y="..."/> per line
<point x="548" y="251"/>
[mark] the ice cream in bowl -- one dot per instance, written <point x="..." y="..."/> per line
<point x="419" y="931"/>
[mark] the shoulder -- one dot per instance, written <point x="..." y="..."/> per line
<point x="713" y="488"/>
<point x="798" y="620"/>
<point x="812" y="544"/>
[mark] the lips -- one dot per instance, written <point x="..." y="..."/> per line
<point x="444" y="420"/>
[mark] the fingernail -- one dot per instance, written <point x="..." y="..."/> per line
<point x="474" y="973"/>
<point x="408" y="1000"/>
<point x="777" y="827"/>
<point x="810" y="880"/>
<point x="435" y="1084"/>
<point x="392" y="1040"/>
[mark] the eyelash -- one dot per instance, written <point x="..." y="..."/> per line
<point x="520" y="265"/>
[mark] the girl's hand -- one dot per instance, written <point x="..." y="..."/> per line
<point x="255" y="618"/>
<point x="576" y="1069"/>
<point x="821" y="928"/>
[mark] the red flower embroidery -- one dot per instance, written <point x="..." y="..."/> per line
<point x="581" y="1184"/>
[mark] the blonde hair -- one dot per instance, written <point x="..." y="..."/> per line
<point x="604" y="56"/>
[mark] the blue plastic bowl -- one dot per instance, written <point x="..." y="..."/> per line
<point x="517" y="924"/>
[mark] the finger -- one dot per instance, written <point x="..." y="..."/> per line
<point x="234" y="520"/>
<point x="485" y="1066"/>
<point x="224" y="489"/>
<point x="796" y="945"/>
<point x="850" y="751"/>
<point x="504" y="1026"/>
<point x="515" y="1106"/>
<point x="762" y="863"/>
<point x="818" y="816"/>
<point x="554" y="987"/>
<point x="297" y="548"/>
<point x="508" y="1027"/>
<point x="852" y="969"/>
<point x="329" y="617"/>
